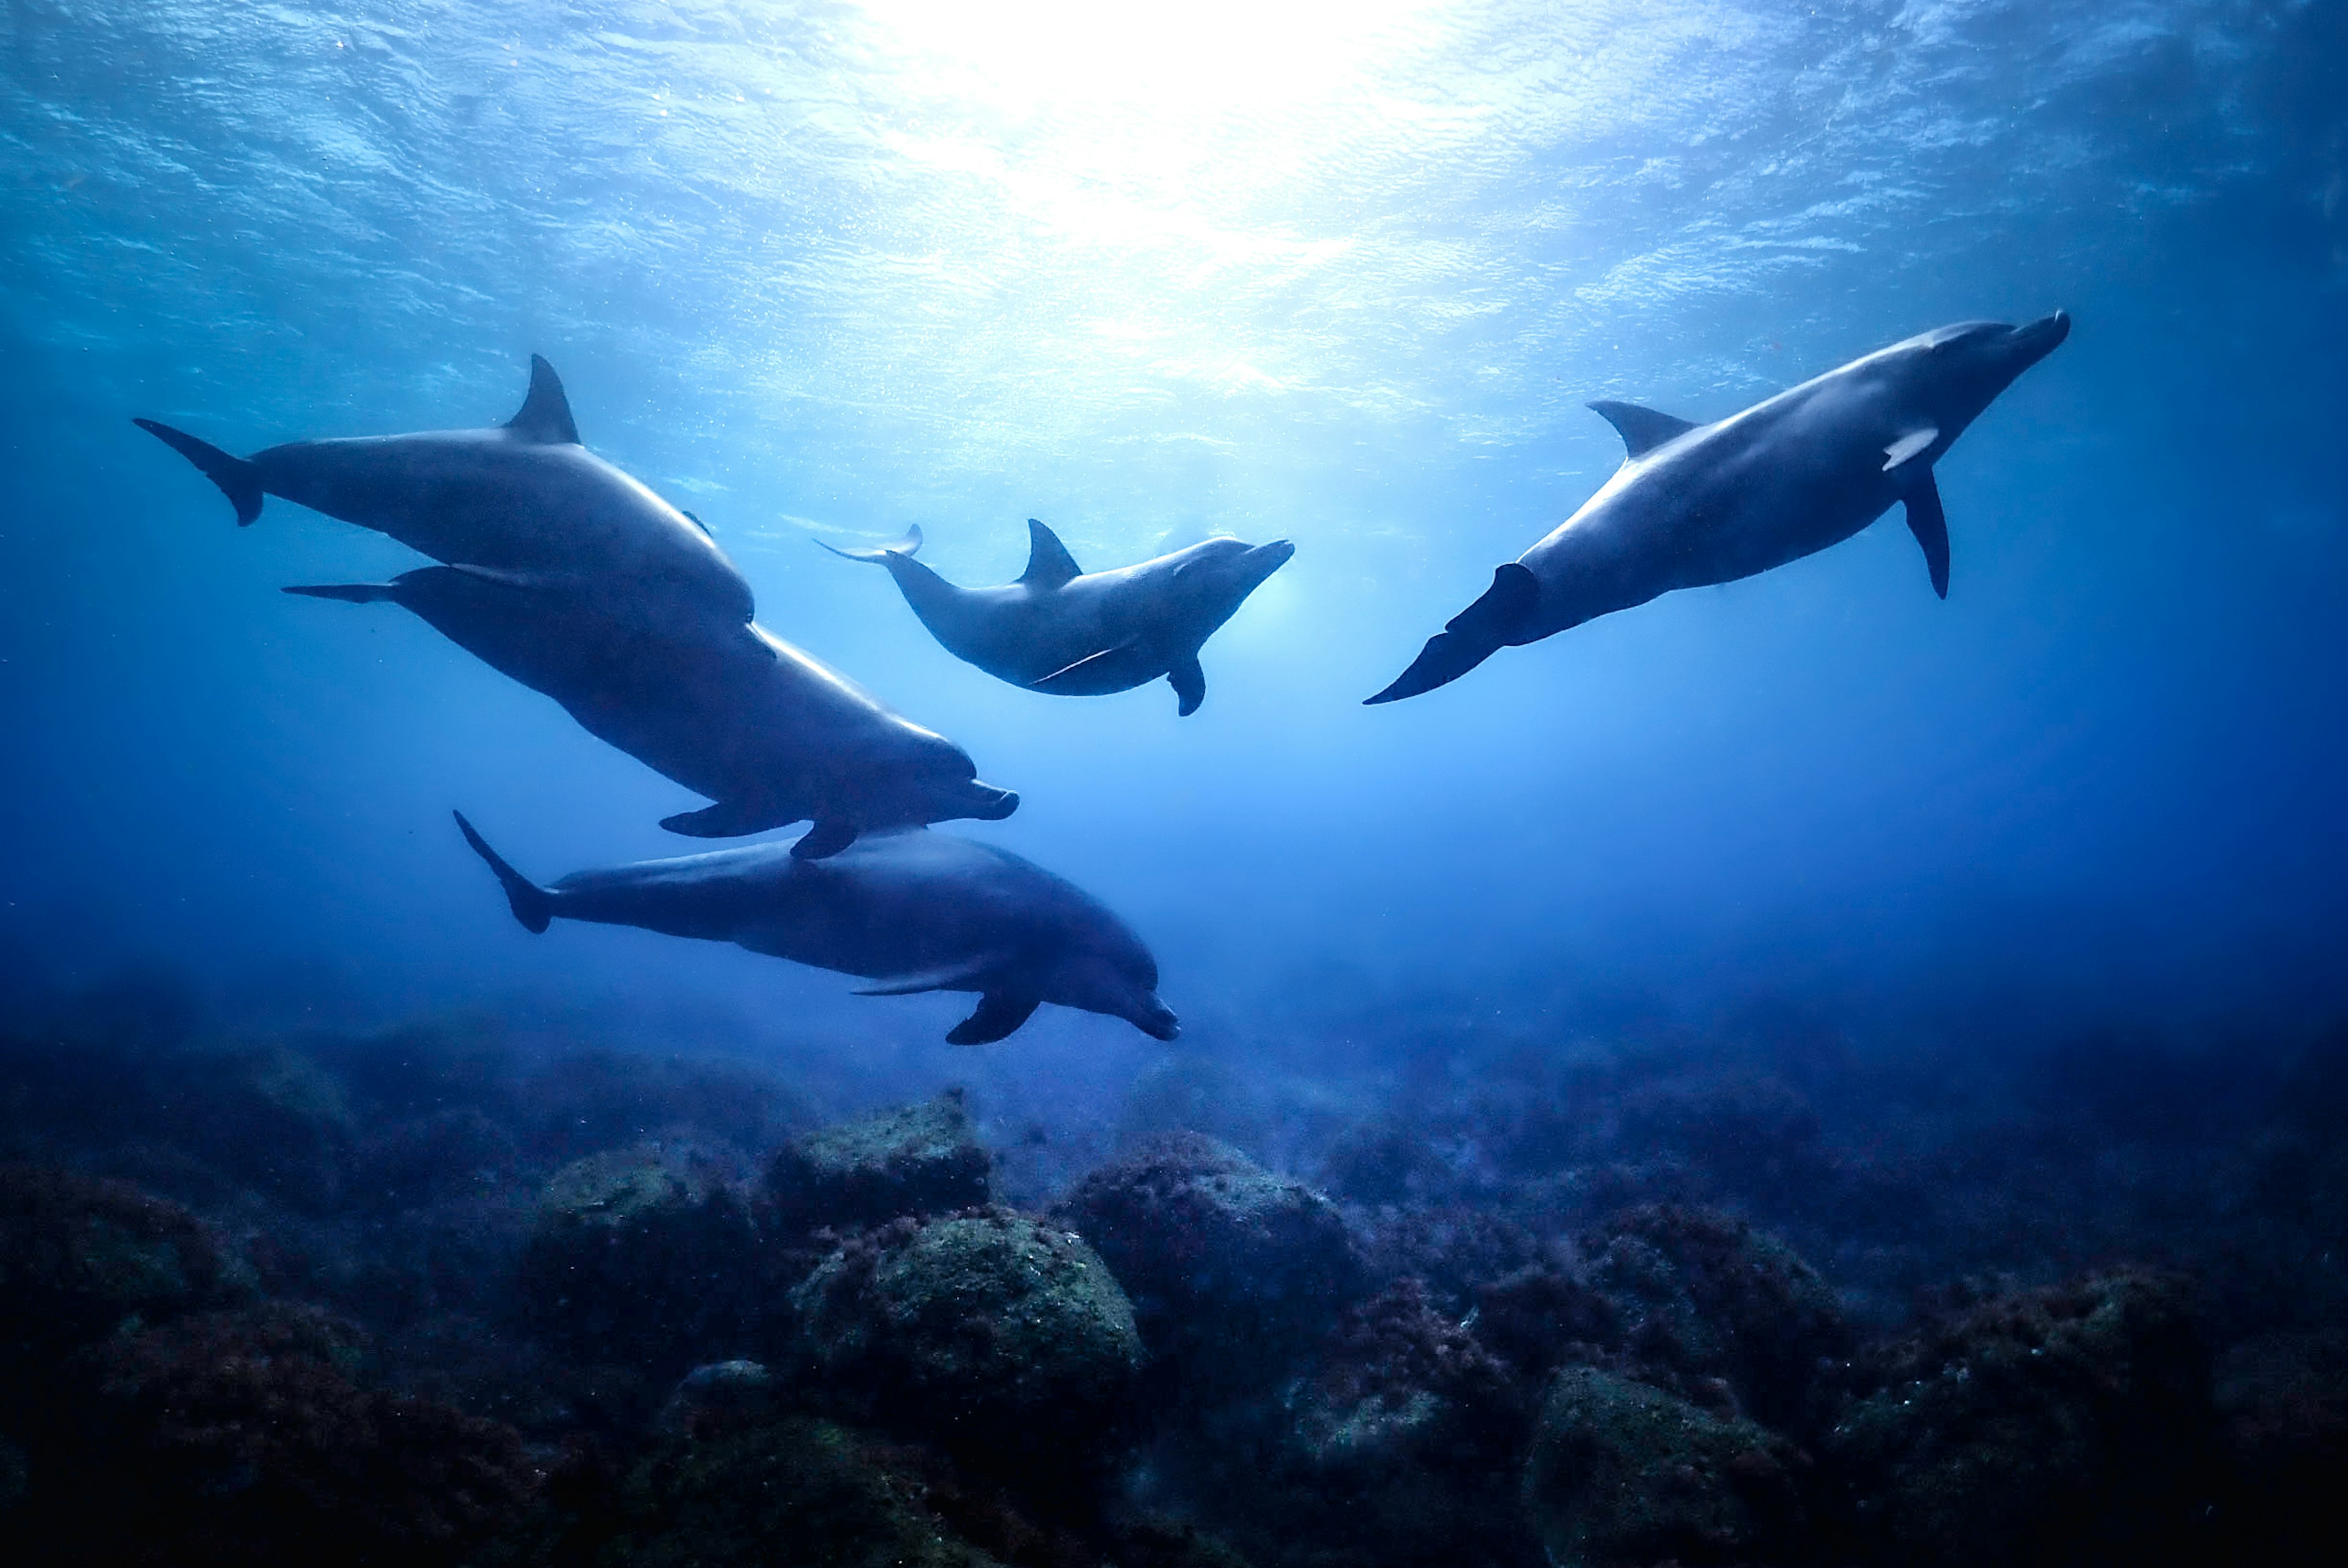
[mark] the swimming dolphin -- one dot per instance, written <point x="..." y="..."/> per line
<point x="732" y="711"/>
<point x="1078" y="634"/>
<point x="523" y="503"/>
<point x="1694" y="505"/>
<point x="913" y="910"/>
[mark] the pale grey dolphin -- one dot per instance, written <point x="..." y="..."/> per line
<point x="1085" y="634"/>
<point x="1694" y="505"/>
<point x="523" y="501"/>
<point x="730" y="710"/>
<point x="913" y="910"/>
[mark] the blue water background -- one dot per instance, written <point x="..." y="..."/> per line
<point x="1345" y="275"/>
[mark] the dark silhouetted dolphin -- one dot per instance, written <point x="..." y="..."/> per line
<point x="1077" y="634"/>
<point x="731" y="711"/>
<point x="523" y="502"/>
<point x="913" y="910"/>
<point x="1699" y="503"/>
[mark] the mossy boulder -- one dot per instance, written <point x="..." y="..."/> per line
<point x="80" y="1258"/>
<point x="1235" y="1272"/>
<point x="1623" y="1473"/>
<point x="795" y="1491"/>
<point x="922" y="1159"/>
<point x="2060" y="1426"/>
<point x="644" y="1257"/>
<point x="989" y="1333"/>
<point x="1704" y="1303"/>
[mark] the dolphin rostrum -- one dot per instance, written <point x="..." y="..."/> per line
<point x="1085" y="634"/>
<point x="911" y="911"/>
<point x="1694" y="505"/>
<point x="730" y="710"/>
<point x="523" y="503"/>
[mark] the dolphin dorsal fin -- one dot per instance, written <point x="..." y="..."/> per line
<point x="1642" y="429"/>
<point x="545" y="415"/>
<point x="1049" y="564"/>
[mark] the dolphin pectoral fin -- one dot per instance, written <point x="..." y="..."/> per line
<point x="532" y="906"/>
<point x="1058" y="680"/>
<point x="1190" y="683"/>
<point x="1470" y="637"/>
<point x="999" y="1013"/>
<point x="1905" y="449"/>
<point x="238" y="479"/>
<point x="1642" y="429"/>
<point x="1049" y="564"/>
<point x="1930" y="524"/>
<point x="726" y="819"/>
<point x="958" y="977"/>
<point x="545" y="414"/>
<point x="903" y="547"/>
<point x="348" y="592"/>
<point x="827" y="838"/>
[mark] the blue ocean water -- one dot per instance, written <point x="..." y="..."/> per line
<point x="1342" y="274"/>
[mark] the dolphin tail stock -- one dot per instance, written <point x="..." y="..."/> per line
<point x="998" y="1014"/>
<point x="532" y="906"/>
<point x="238" y="479"/>
<point x="880" y="554"/>
<point x="1470" y="637"/>
<point x="348" y="592"/>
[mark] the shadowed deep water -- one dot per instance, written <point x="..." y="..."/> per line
<point x="2060" y="860"/>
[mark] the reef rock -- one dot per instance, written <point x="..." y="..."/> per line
<point x="922" y="1159"/>
<point x="1623" y="1474"/>
<point x="1708" y="1305"/>
<point x="645" y="1256"/>
<point x="80" y="1257"/>
<point x="2060" y="1426"/>
<point x="1233" y="1271"/>
<point x="989" y="1333"/>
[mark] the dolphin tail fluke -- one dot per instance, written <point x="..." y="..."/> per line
<point x="907" y="546"/>
<point x="532" y="906"/>
<point x="348" y="592"/>
<point x="1472" y="636"/>
<point x="998" y="1014"/>
<point x="238" y="479"/>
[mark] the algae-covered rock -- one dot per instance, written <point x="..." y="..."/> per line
<point x="79" y="1258"/>
<point x="2054" y="1426"/>
<point x="719" y="1397"/>
<point x="1623" y="1473"/>
<point x="787" y="1492"/>
<point x="922" y="1159"/>
<point x="982" y="1331"/>
<point x="642" y="1255"/>
<point x="1233" y="1270"/>
<point x="1704" y="1298"/>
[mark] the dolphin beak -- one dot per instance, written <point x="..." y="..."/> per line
<point x="2031" y="344"/>
<point x="1154" y="1018"/>
<point x="1267" y="558"/>
<point x="985" y="803"/>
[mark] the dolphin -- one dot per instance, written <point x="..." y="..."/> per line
<point x="1694" y="505"/>
<point x="732" y="712"/>
<point x="911" y="911"/>
<point x="1085" y="634"/>
<point x="523" y="503"/>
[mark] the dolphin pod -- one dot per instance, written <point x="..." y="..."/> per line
<point x="571" y="577"/>
<point x="574" y="578"/>
<point x="911" y="911"/>
<point x="1695" y="505"/>
<point x="1085" y="634"/>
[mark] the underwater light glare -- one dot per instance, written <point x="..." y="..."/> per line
<point x="1172" y="64"/>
